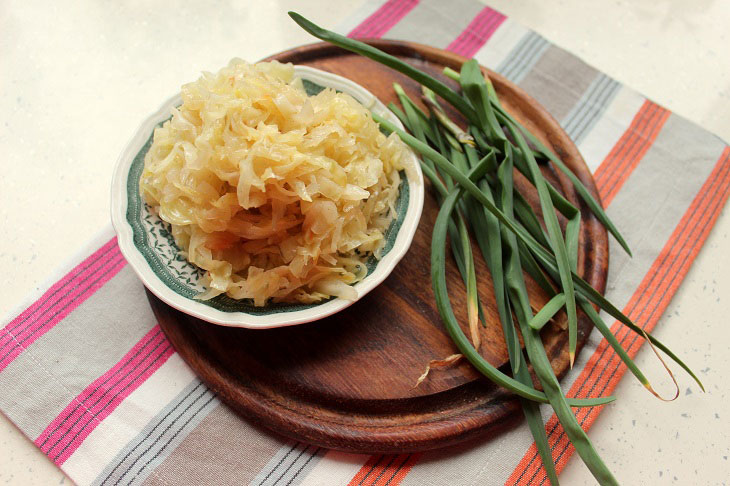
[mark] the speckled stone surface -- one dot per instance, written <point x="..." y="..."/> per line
<point x="77" y="79"/>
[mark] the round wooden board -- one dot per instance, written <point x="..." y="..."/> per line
<point x="347" y="382"/>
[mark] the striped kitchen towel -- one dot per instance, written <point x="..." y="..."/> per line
<point x="87" y="374"/>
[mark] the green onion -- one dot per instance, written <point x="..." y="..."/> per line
<point x="415" y="120"/>
<point x="548" y="311"/>
<point x="477" y="92"/>
<point x="556" y="242"/>
<point x="548" y="380"/>
<point x="534" y="420"/>
<point x="375" y="54"/>
<point x="545" y="152"/>
<point x="438" y="275"/>
<point x="542" y="255"/>
<point x="471" y="171"/>
<point x="430" y="99"/>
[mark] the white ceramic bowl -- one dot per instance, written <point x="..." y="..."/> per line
<point x="147" y="245"/>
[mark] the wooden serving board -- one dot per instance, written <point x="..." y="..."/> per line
<point x="347" y="382"/>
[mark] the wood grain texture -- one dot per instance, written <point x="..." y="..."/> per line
<point x="347" y="382"/>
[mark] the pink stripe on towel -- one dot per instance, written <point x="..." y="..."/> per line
<point x="383" y="19"/>
<point x="477" y="33"/>
<point x="62" y="298"/>
<point x="67" y="431"/>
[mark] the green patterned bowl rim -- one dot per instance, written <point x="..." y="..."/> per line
<point x="151" y="252"/>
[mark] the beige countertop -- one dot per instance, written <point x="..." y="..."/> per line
<point x="62" y="134"/>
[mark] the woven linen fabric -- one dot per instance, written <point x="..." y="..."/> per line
<point x="87" y="374"/>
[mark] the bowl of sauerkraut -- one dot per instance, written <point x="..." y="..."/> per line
<point x="265" y="195"/>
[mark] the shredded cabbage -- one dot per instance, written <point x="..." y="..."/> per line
<point x="278" y="196"/>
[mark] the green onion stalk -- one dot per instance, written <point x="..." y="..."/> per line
<point x="471" y="171"/>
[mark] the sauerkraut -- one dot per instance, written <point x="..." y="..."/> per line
<point x="277" y="195"/>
